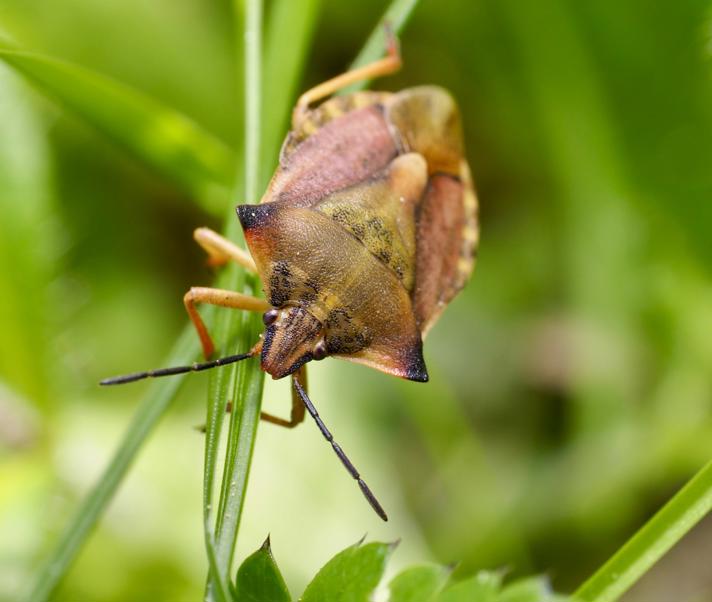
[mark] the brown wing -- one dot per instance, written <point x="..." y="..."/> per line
<point x="446" y="244"/>
<point x="344" y="149"/>
<point x="327" y="111"/>
<point x="428" y="121"/>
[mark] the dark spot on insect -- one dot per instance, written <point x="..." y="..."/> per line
<point x="375" y="224"/>
<point x="309" y="291"/>
<point x="349" y="218"/>
<point x="282" y="268"/>
<point x="278" y="297"/>
<point x="359" y="230"/>
<point x="342" y="335"/>
<point x="313" y="285"/>
<point x="384" y="255"/>
<point x="335" y="344"/>
<point x="338" y="318"/>
<point x="343" y="215"/>
<point x="378" y="232"/>
<point x="267" y="342"/>
<point x="254" y="215"/>
<point x="415" y="364"/>
<point x="281" y="285"/>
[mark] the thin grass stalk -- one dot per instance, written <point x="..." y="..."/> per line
<point x="248" y="379"/>
<point x="396" y="17"/>
<point x="688" y="507"/>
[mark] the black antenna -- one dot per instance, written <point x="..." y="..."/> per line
<point x="129" y="378"/>
<point x="368" y="494"/>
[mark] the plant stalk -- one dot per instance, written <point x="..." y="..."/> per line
<point x="688" y="507"/>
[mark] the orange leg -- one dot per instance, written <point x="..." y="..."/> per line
<point x="223" y="298"/>
<point x="297" y="414"/>
<point x="385" y="66"/>
<point x="221" y="250"/>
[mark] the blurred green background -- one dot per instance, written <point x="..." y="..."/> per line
<point x="571" y="381"/>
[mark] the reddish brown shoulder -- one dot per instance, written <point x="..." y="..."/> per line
<point x="447" y="237"/>
<point x="346" y="150"/>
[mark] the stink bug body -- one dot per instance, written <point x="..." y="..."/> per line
<point x="366" y="231"/>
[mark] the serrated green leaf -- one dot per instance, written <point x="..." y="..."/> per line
<point x="164" y="139"/>
<point x="482" y="587"/>
<point x="259" y="580"/>
<point x="351" y="575"/>
<point x="418" y="583"/>
<point x="531" y="589"/>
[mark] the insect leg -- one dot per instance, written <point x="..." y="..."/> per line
<point x="223" y="298"/>
<point x="368" y="494"/>
<point x="384" y="66"/>
<point x="297" y="414"/>
<point x="221" y="250"/>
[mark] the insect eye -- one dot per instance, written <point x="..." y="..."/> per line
<point x="319" y="352"/>
<point x="269" y="317"/>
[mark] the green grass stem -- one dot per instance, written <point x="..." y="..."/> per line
<point x="688" y="507"/>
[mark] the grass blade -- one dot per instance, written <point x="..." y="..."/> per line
<point x="253" y="97"/>
<point x="156" y="401"/>
<point x="162" y="138"/>
<point x="220" y="389"/>
<point x="690" y="505"/>
<point x="396" y="16"/>
<point x="248" y="379"/>
<point x="283" y="65"/>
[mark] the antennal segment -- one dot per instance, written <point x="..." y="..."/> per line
<point x="223" y="361"/>
<point x="368" y="494"/>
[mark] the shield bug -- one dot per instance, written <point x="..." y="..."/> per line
<point x="367" y="230"/>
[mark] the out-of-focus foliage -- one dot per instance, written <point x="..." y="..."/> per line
<point x="164" y="139"/>
<point x="570" y="382"/>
